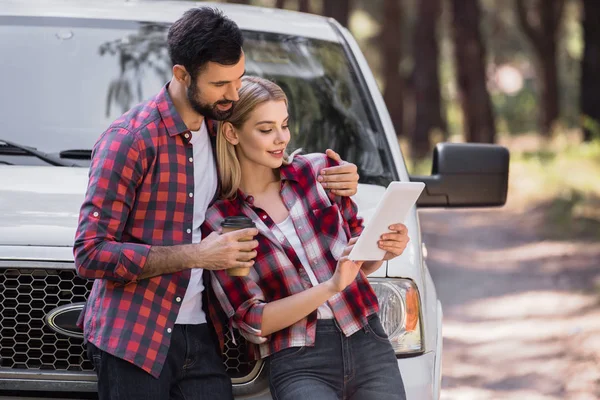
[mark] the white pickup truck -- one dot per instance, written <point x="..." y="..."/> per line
<point x="68" y="68"/>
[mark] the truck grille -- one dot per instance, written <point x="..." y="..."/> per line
<point x="26" y="342"/>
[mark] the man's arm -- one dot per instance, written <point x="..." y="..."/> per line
<point x="342" y="180"/>
<point x="215" y="252"/>
<point x="116" y="170"/>
<point x="115" y="173"/>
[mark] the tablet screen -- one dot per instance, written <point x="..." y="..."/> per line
<point x="393" y="207"/>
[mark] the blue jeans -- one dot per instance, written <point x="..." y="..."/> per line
<point x="360" y="367"/>
<point x="193" y="370"/>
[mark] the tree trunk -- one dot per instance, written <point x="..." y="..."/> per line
<point x="338" y="9"/>
<point x="391" y="39"/>
<point x="304" y="6"/>
<point x="239" y="1"/>
<point x="426" y="78"/>
<point x="470" y="65"/>
<point x="541" y="25"/>
<point x="280" y="4"/>
<point x="548" y="70"/>
<point x="590" y="71"/>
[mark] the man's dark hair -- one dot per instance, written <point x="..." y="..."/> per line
<point x="201" y="35"/>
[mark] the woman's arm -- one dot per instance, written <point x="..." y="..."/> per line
<point x="282" y="313"/>
<point x="393" y="242"/>
<point x="285" y="312"/>
<point x="371" y="266"/>
<point x="244" y="302"/>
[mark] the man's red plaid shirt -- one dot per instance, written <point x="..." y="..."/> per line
<point x="140" y="194"/>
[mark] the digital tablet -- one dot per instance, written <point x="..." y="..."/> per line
<point x="394" y="206"/>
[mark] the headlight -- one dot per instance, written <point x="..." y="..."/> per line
<point x="400" y="313"/>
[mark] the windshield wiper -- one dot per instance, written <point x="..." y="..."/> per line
<point x="76" y="154"/>
<point x="10" y="147"/>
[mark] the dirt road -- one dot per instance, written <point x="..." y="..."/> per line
<point x="521" y="314"/>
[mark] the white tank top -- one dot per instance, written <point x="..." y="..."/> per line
<point x="287" y="228"/>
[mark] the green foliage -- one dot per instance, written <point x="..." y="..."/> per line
<point x="516" y="113"/>
<point x="562" y="178"/>
<point x="592" y="125"/>
<point x="505" y="44"/>
<point x="574" y="214"/>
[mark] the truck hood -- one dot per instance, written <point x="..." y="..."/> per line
<point x="39" y="206"/>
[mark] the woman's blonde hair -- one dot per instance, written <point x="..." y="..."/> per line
<point x="254" y="92"/>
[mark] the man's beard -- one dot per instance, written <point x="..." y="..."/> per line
<point x="209" y="111"/>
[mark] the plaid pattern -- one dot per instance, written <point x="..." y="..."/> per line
<point x="140" y="194"/>
<point x="324" y="230"/>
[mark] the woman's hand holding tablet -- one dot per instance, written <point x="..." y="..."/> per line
<point x="393" y="208"/>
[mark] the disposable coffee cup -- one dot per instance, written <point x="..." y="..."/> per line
<point x="235" y="223"/>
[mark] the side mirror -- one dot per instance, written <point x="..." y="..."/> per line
<point x="466" y="175"/>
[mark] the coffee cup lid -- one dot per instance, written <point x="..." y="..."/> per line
<point x="237" y="221"/>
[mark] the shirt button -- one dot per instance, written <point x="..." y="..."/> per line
<point x="96" y="213"/>
<point x="191" y="194"/>
<point x="169" y="330"/>
<point x="264" y="216"/>
<point x="178" y="299"/>
<point x="191" y="159"/>
<point x="189" y="231"/>
<point x="187" y="135"/>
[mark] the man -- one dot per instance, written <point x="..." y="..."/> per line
<point x="152" y="178"/>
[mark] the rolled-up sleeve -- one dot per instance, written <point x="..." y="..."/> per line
<point x="349" y="211"/>
<point x="115" y="173"/>
<point x="243" y="301"/>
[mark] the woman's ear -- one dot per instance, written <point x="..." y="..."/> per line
<point x="230" y="133"/>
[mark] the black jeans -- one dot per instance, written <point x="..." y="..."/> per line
<point x="360" y="367"/>
<point x="193" y="370"/>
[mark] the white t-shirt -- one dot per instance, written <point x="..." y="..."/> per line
<point x="205" y="186"/>
<point x="287" y="228"/>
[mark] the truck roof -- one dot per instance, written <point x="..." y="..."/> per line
<point x="247" y="17"/>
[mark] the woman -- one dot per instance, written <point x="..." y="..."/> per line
<point x="310" y="310"/>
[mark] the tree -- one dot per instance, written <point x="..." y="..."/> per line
<point x="337" y="9"/>
<point x="280" y="4"/>
<point x="541" y="23"/>
<point x="590" y="67"/>
<point x="471" y="72"/>
<point x="304" y="6"/>
<point x="391" y="49"/>
<point x="426" y="81"/>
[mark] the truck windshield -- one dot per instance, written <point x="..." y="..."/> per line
<point x="65" y="80"/>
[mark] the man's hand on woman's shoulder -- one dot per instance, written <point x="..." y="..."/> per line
<point x="342" y="179"/>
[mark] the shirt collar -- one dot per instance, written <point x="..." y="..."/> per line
<point x="241" y="198"/>
<point x="171" y="118"/>
<point x="289" y="172"/>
